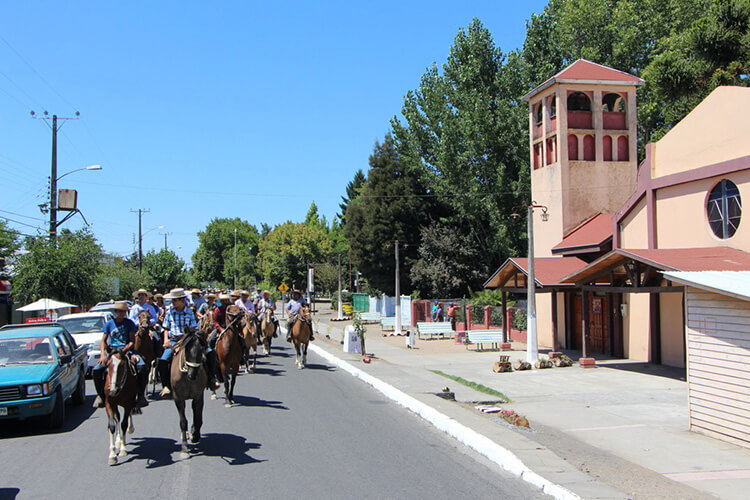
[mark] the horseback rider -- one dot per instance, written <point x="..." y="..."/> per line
<point x="196" y="299"/>
<point x="293" y="307"/>
<point x="178" y="321"/>
<point x="266" y="302"/>
<point x="207" y="307"/>
<point x="119" y="333"/>
<point x="219" y="320"/>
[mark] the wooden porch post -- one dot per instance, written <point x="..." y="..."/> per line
<point x="555" y="344"/>
<point x="505" y="316"/>
<point x="585" y="361"/>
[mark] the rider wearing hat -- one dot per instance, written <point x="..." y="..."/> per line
<point x="207" y="307"/>
<point x="178" y="321"/>
<point x="196" y="299"/>
<point x="244" y="302"/>
<point x="266" y="302"/>
<point x="293" y="307"/>
<point x="119" y="333"/>
<point x="220" y="322"/>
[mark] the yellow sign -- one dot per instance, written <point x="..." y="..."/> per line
<point x="283" y="288"/>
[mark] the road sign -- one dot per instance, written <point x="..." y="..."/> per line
<point x="283" y="288"/>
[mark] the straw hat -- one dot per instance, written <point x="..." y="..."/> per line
<point x="296" y="291"/>
<point x="158" y="296"/>
<point x="140" y="291"/>
<point x="211" y="296"/>
<point x="235" y="293"/>
<point x="224" y="296"/>
<point x="120" y="305"/>
<point x="244" y="292"/>
<point x="266" y="292"/>
<point x="176" y="293"/>
<point x="195" y="290"/>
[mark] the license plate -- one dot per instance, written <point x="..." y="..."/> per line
<point x="3" y="412"/>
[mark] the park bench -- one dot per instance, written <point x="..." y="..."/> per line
<point x="370" y="317"/>
<point x="480" y="337"/>
<point x="440" y="328"/>
<point x="388" y="323"/>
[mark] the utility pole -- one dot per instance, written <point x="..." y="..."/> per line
<point x="165" y="240"/>
<point x="340" y="314"/>
<point x="234" y="272"/>
<point x="532" y="350"/>
<point x="140" y="213"/>
<point x="53" y="173"/>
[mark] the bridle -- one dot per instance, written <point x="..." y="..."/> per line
<point x="120" y="375"/>
<point x="185" y="364"/>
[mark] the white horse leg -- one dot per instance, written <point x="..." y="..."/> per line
<point x="112" y="447"/>
<point x="213" y="395"/>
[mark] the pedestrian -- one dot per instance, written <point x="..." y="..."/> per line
<point x="434" y="310"/>
<point x="452" y="310"/>
<point x="439" y="313"/>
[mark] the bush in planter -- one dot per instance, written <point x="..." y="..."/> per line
<point x="519" y="320"/>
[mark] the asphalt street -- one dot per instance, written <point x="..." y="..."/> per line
<point x="313" y="433"/>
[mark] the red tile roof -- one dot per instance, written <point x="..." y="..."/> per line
<point x="592" y="233"/>
<point x="587" y="70"/>
<point x="547" y="270"/>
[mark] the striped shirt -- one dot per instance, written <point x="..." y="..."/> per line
<point x="178" y="321"/>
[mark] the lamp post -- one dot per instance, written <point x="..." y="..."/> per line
<point x="234" y="269"/>
<point x="53" y="192"/>
<point x="532" y="347"/>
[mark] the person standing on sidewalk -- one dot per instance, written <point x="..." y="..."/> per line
<point x="452" y="309"/>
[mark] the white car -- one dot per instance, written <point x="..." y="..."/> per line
<point x="86" y="329"/>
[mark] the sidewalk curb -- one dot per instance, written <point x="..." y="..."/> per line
<point x="483" y="445"/>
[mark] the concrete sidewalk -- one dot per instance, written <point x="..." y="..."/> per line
<point x="617" y="431"/>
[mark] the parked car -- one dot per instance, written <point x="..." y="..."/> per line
<point x="86" y="329"/>
<point x="41" y="367"/>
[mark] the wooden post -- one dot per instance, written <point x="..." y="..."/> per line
<point x="504" y="297"/>
<point x="585" y="361"/>
<point x="555" y="343"/>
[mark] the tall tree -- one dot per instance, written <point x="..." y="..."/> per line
<point x="393" y="205"/>
<point x="214" y="258"/>
<point x="353" y="189"/>
<point x="165" y="269"/>
<point x="286" y="252"/>
<point x="9" y="244"/>
<point x="466" y="131"/>
<point x="67" y="269"/>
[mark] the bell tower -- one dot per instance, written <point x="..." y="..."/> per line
<point x="582" y="144"/>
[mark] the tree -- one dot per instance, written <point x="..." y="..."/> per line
<point x="393" y="205"/>
<point x="446" y="263"/>
<point x="214" y="259"/>
<point x="466" y="131"/>
<point x="286" y="252"/>
<point x="353" y="188"/>
<point x="165" y="269"/>
<point x="9" y="244"/>
<point x="314" y="220"/>
<point x="67" y="269"/>
<point x="127" y="274"/>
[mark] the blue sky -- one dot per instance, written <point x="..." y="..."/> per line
<point x="198" y="110"/>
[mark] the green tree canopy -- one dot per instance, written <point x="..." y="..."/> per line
<point x="9" y="244"/>
<point x="165" y="269"/>
<point x="353" y="188"/>
<point x="214" y="258"/>
<point x="288" y="249"/>
<point x="67" y="269"/>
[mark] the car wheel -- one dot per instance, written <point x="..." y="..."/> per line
<point x="79" y="396"/>
<point x="56" y="418"/>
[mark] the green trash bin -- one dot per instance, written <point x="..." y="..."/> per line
<point x="361" y="302"/>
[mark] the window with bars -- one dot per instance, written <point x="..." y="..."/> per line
<point x="724" y="209"/>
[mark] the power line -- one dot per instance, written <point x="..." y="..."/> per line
<point x="21" y="215"/>
<point x="19" y="222"/>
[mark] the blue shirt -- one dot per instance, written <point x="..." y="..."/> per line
<point x="178" y="321"/>
<point x="136" y="310"/>
<point x="119" y="334"/>
<point x="295" y="305"/>
<point x="197" y="302"/>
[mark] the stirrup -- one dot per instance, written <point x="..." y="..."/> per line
<point x="165" y="392"/>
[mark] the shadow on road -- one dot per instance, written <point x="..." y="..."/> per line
<point x="229" y="447"/>
<point x="259" y="403"/>
<point x="269" y="371"/>
<point x="315" y="366"/>
<point x="74" y="416"/>
<point x="157" y="452"/>
<point x="9" y="493"/>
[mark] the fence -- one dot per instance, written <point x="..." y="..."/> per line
<point x="472" y="317"/>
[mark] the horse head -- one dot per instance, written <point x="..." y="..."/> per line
<point x="117" y="372"/>
<point x="268" y="315"/>
<point x="194" y="347"/>
<point x="144" y="323"/>
<point x="304" y="313"/>
<point x="235" y="316"/>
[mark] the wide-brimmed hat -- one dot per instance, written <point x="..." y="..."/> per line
<point x="296" y="291"/>
<point x="140" y="291"/>
<point x="224" y="296"/>
<point x="120" y="305"/>
<point x="176" y="293"/>
<point x="235" y="293"/>
<point x="211" y="296"/>
<point x="244" y="292"/>
<point x="266" y="292"/>
<point x="195" y="290"/>
<point x="158" y="296"/>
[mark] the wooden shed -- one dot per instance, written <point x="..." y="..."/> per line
<point x="717" y="329"/>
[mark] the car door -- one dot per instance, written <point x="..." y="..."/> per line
<point x="67" y="370"/>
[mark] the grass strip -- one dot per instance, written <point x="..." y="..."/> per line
<point x="477" y="387"/>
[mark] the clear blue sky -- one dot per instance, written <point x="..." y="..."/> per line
<point x="198" y="110"/>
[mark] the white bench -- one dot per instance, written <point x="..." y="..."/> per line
<point x="370" y="317"/>
<point x="480" y="337"/>
<point x="439" y="328"/>
<point x="389" y="323"/>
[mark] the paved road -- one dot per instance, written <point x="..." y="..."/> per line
<point x="315" y="433"/>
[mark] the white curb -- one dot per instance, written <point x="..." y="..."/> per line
<point x="482" y="444"/>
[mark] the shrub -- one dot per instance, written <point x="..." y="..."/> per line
<point x="519" y="320"/>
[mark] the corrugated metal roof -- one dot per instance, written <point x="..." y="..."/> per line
<point x="732" y="283"/>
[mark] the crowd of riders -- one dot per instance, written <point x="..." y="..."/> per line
<point x="171" y="317"/>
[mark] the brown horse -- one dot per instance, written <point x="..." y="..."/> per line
<point x="267" y="329"/>
<point x="144" y="344"/>
<point x="121" y="389"/>
<point x="251" y="341"/>
<point x="206" y="325"/>
<point x="189" y="379"/>
<point x="229" y="350"/>
<point x="301" y="333"/>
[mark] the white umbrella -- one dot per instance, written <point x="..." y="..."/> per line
<point x="44" y="305"/>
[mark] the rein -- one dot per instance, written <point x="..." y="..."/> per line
<point x="184" y="363"/>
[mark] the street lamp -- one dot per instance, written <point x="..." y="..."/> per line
<point x="532" y="347"/>
<point x="90" y="167"/>
<point x="53" y="197"/>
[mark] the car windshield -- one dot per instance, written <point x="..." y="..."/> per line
<point x="25" y="350"/>
<point x="83" y="325"/>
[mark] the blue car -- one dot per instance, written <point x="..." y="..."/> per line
<point x="41" y="367"/>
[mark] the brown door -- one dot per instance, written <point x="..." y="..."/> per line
<point x="598" y="325"/>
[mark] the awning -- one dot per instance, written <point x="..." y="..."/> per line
<point x="547" y="272"/>
<point x="44" y="305"/>
<point x="594" y="235"/>
<point x="731" y="283"/>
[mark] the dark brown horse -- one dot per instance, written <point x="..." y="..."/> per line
<point x="144" y="343"/>
<point x="120" y="389"/>
<point x="189" y="378"/>
<point x="301" y="333"/>
<point x="229" y="350"/>
<point x="251" y="340"/>
<point x="267" y="329"/>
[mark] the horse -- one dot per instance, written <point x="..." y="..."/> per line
<point x="144" y="344"/>
<point x="267" y="329"/>
<point x="189" y="379"/>
<point x="251" y="341"/>
<point x="121" y="389"/>
<point x="301" y="333"/>
<point x="206" y="325"/>
<point x="229" y="351"/>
